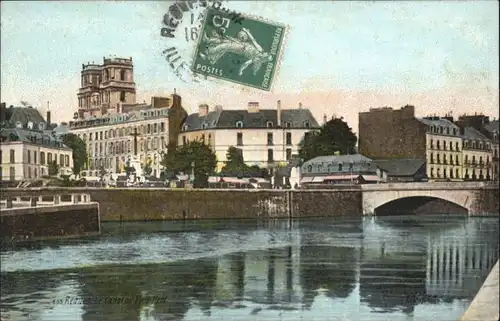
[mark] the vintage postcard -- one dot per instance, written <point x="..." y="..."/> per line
<point x="245" y="51"/>
<point x="209" y="160"/>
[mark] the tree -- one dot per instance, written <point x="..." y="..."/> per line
<point x="195" y="156"/>
<point x="79" y="151"/>
<point x="53" y="169"/>
<point x="334" y="137"/>
<point x="235" y="164"/>
<point x="147" y="169"/>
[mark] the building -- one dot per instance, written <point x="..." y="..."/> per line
<point x="266" y="137"/>
<point x="386" y="133"/>
<point x="443" y="149"/>
<point x="404" y="170"/>
<point x="104" y="86"/>
<point x="110" y="138"/>
<point x="27" y="147"/>
<point x="477" y="155"/>
<point x="344" y="169"/>
<point x="493" y="130"/>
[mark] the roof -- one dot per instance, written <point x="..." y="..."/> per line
<point x="492" y="126"/>
<point x="400" y="167"/>
<point x="146" y="112"/>
<point x="438" y="122"/>
<point x="355" y="158"/>
<point x="42" y="138"/>
<point x="23" y="115"/>
<point x="219" y="119"/>
<point x="472" y="133"/>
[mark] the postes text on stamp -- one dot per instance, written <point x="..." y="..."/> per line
<point x="246" y="52"/>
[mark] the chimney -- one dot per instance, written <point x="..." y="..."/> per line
<point x="278" y="107"/>
<point x="203" y="110"/>
<point x="325" y="119"/>
<point x="253" y="107"/>
<point x="300" y="105"/>
<point x="48" y="117"/>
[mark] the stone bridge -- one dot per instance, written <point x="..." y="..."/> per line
<point x="472" y="197"/>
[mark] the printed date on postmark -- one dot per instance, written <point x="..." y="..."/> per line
<point x="247" y="53"/>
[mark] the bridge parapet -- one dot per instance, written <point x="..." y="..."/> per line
<point x="21" y="199"/>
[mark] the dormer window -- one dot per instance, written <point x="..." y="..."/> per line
<point x="30" y="125"/>
<point x="41" y="126"/>
<point x="269" y="124"/>
<point x="239" y="124"/>
<point x="306" y="124"/>
<point x="204" y="125"/>
<point x="309" y="168"/>
<point x="288" y="125"/>
<point x="19" y="124"/>
<point x="185" y="127"/>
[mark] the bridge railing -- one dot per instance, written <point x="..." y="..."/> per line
<point x="21" y="200"/>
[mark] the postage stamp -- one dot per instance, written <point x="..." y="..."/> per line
<point x="247" y="51"/>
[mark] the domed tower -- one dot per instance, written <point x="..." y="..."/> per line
<point x="88" y="94"/>
<point x="117" y="82"/>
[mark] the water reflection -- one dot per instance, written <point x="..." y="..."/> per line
<point x="362" y="270"/>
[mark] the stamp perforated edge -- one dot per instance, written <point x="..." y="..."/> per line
<point x="233" y="84"/>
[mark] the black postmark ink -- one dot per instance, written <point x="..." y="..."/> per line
<point x="175" y="16"/>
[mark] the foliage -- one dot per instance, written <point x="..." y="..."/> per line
<point x="182" y="159"/>
<point x="53" y="168"/>
<point x="147" y="169"/>
<point x="79" y="151"/>
<point x="334" y="137"/>
<point x="236" y="167"/>
<point x="129" y="169"/>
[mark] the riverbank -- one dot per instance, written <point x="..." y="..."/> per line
<point x="485" y="306"/>
<point x="164" y="204"/>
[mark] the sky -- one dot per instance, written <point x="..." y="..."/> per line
<point x="339" y="58"/>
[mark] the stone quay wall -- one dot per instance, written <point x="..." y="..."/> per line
<point x="149" y="204"/>
<point x="49" y="222"/>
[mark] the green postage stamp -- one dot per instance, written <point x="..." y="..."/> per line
<point x="246" y="51"/>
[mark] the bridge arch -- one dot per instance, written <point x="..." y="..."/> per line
<point x="419" y="205"/>
<point x="384" y="199"/>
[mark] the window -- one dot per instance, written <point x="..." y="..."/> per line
<point x="451" y="173"/>
<point x="457" y="160"/>
<point x="162" y="127"/>
<point x="66" y="160"/>
<point x="432" y="172"/>
<point x="239" y="139"/>
<point x="289" y="138"/>
<point x="306" y="124"/>
<point x="457" y="173"/>
<point x="12" y="156"/>
<point x="288" y="154"/>
<point x="203" y="138"/>
<point x="457" y="148"/>
<point x="447" y="130"/>
<point x="209" y="139"/>
<point x="12" y="173"/>
<point x="61" y="159"/>
<point x="432" y="144"/>
<point x="100" y="135"/>
<point x="29" y="157"/>
<point x="155" y="128"/>
<point x="269" y="138"/>
<point x="454" y="131"/>
<point x="340" y="166"/>
<point x="42" y="158"/>
<point x="444" y="159"/>
<point x="309" y="168"/>
<point x="270" y="155"/>
<point x="49" y="158"/>
<point x="438" y="160"/>
<point x="432" y="158"/>
<point x="451" y="145"/>
<point x="288" y="124"/>
<point x="269" y="124"/>
<point x="466" y="159"/>
<point x="123" y="74"/>
<point x="149" y="129"/>
<point x="437" y="145"/>
<point x="36" y="173"/>
<point x="122" y="96"/>
<point x="1" y="160"/>
<point x="184" y="140"/>
<point x="239" y="124"/>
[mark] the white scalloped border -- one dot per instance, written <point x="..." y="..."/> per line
<point x="224" y="82"/>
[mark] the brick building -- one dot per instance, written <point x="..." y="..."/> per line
<point x="388" y="133"/>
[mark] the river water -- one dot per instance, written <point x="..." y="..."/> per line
<point x="384" y="268"/>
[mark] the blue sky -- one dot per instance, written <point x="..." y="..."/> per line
<point x="389" y="47"/>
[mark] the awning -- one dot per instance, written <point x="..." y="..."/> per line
<point x="370" y="177"/>
<point x="307" y="179"/>
<point x="341" y="177"/>
<point x="319" y="179"/>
